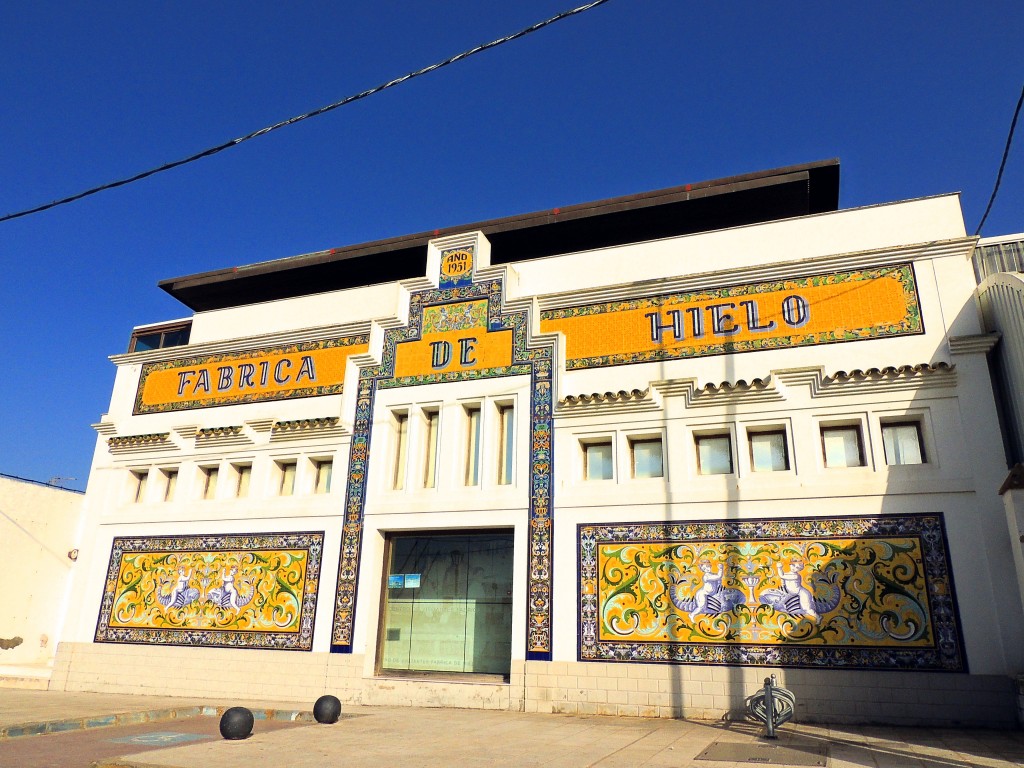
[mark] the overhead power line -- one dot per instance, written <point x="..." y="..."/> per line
<point x="316" y="112"/>
<point x="1002" y="165"/>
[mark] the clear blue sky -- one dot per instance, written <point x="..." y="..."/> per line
<point x="636" y="95"/>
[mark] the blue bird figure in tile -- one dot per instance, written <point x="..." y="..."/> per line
<point x="182" y="594"/>
<point x="711" y="598"/>
<point x="795" y="598"/>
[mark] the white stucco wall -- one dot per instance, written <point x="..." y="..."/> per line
<point x="951" y="398"/>
<point x="39" y="526"/>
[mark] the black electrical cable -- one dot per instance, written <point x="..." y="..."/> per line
<point x="316" y="112"/>
<point x="1002" y="165"/>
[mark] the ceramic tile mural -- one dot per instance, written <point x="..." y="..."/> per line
<point x="249" y="591"/>
<point x="820" y="309"/>
<point x="857" y="592"/>
<point x="457" y="332"/>
<point x="270" y="373"/>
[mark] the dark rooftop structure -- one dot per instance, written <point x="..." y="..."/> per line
<point x="754" y="198"/>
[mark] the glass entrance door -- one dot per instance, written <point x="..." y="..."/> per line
<point x="448" y="603"/>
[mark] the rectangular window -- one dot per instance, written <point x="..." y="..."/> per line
<point x="324" y="470"/>
<point x="433" y="419"/>
<point x="646" y="456"/>
<point x="714" y="454"/>
<point x="768" y="451"/>
<point x="286" y="470"/>
<point x="597" y="460"/>
<point x="170" y="483"/>
<point x="902" y="443"/>
<point x="401" y="449"/>
<point x="506" y="443"/>
<point x="473" y="446"/>
<point x="447" y="607"/>
<point x="140" y="478"/>
<point x="209" y="476"/>
<point x="842" y="447"/>
<point x="243" y="476"/>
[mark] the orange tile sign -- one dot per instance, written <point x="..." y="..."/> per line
<point x="455" y="340"/>
<point x="820" y="309"/>
<point x="272" y="373"/>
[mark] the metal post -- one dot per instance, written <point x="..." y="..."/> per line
<point x="769" y="708"/>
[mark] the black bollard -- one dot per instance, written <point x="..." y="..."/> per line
<point x="327" y="709"/>
<point x="236" y="723"/>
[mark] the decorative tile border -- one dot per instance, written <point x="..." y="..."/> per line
<point x="850" y="592"/>
<point x="465" y="298"/>
<point x="308" y="369"/>
<point x="819" y="309"/>
<point x="239" y="591"/>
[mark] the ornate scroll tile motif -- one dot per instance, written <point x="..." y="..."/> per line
<point x="241" y="591"/>
<point x="459" y="306"/>
<point x="819" y="309"/>
<point x="852" y="592"/>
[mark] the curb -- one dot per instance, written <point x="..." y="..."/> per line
<point x="150" y="716"/>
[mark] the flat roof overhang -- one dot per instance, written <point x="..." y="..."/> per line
<point x="781" y="193"/>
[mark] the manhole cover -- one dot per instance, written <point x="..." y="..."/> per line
<point x="760" y="753"/>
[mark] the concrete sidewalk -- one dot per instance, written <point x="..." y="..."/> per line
<point x="375" y="736"/>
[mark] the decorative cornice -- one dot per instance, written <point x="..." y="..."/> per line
<point x="608" y="397"/>
<point x="323" y="422"/>
<point x="300" y="429"/>
<point x="260" y="425"/>
<point x="784" y="270"/>
<point x="222" y="436"/>
<point x="125" y="441"/>
<point x="156" y="441"/>
<point x="712" y="394"/>
<point x="621" y="402"/>
<point x="186" y="431"/>
<point x="105" y="427"/>
<point x="981" y="343"/>
<point x="206" y="433"/>
<point x="890" y="378"/>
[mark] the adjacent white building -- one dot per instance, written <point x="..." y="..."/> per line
<point x="627" y="457"/>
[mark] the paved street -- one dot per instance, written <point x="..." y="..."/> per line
<point x="374" y="736"/>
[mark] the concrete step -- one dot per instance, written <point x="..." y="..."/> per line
<point x="29" y="677"/>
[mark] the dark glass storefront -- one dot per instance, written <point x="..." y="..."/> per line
<point x="448" y="603"/>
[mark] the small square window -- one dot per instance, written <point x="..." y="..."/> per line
<point x="768" y="451"/>
<point x="140" y="479"/>
<point x="714" y="454"/>
<point x="286" y="472"/>
<point x="243" y="477"/>
<point x="842" y="447"/>
<point x="902" y="443"/>
<point x="324" y="470"/>
<point x="597" y="460"/>
<point x="209" y="478"/>
<point x="646" y="457"/>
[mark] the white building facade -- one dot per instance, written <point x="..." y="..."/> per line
<point x="629" y="473"/>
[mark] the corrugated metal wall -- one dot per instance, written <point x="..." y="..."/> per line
<point x="1002" y="305"/>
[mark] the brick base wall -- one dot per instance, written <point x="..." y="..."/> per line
<point x="635" y="690"/>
